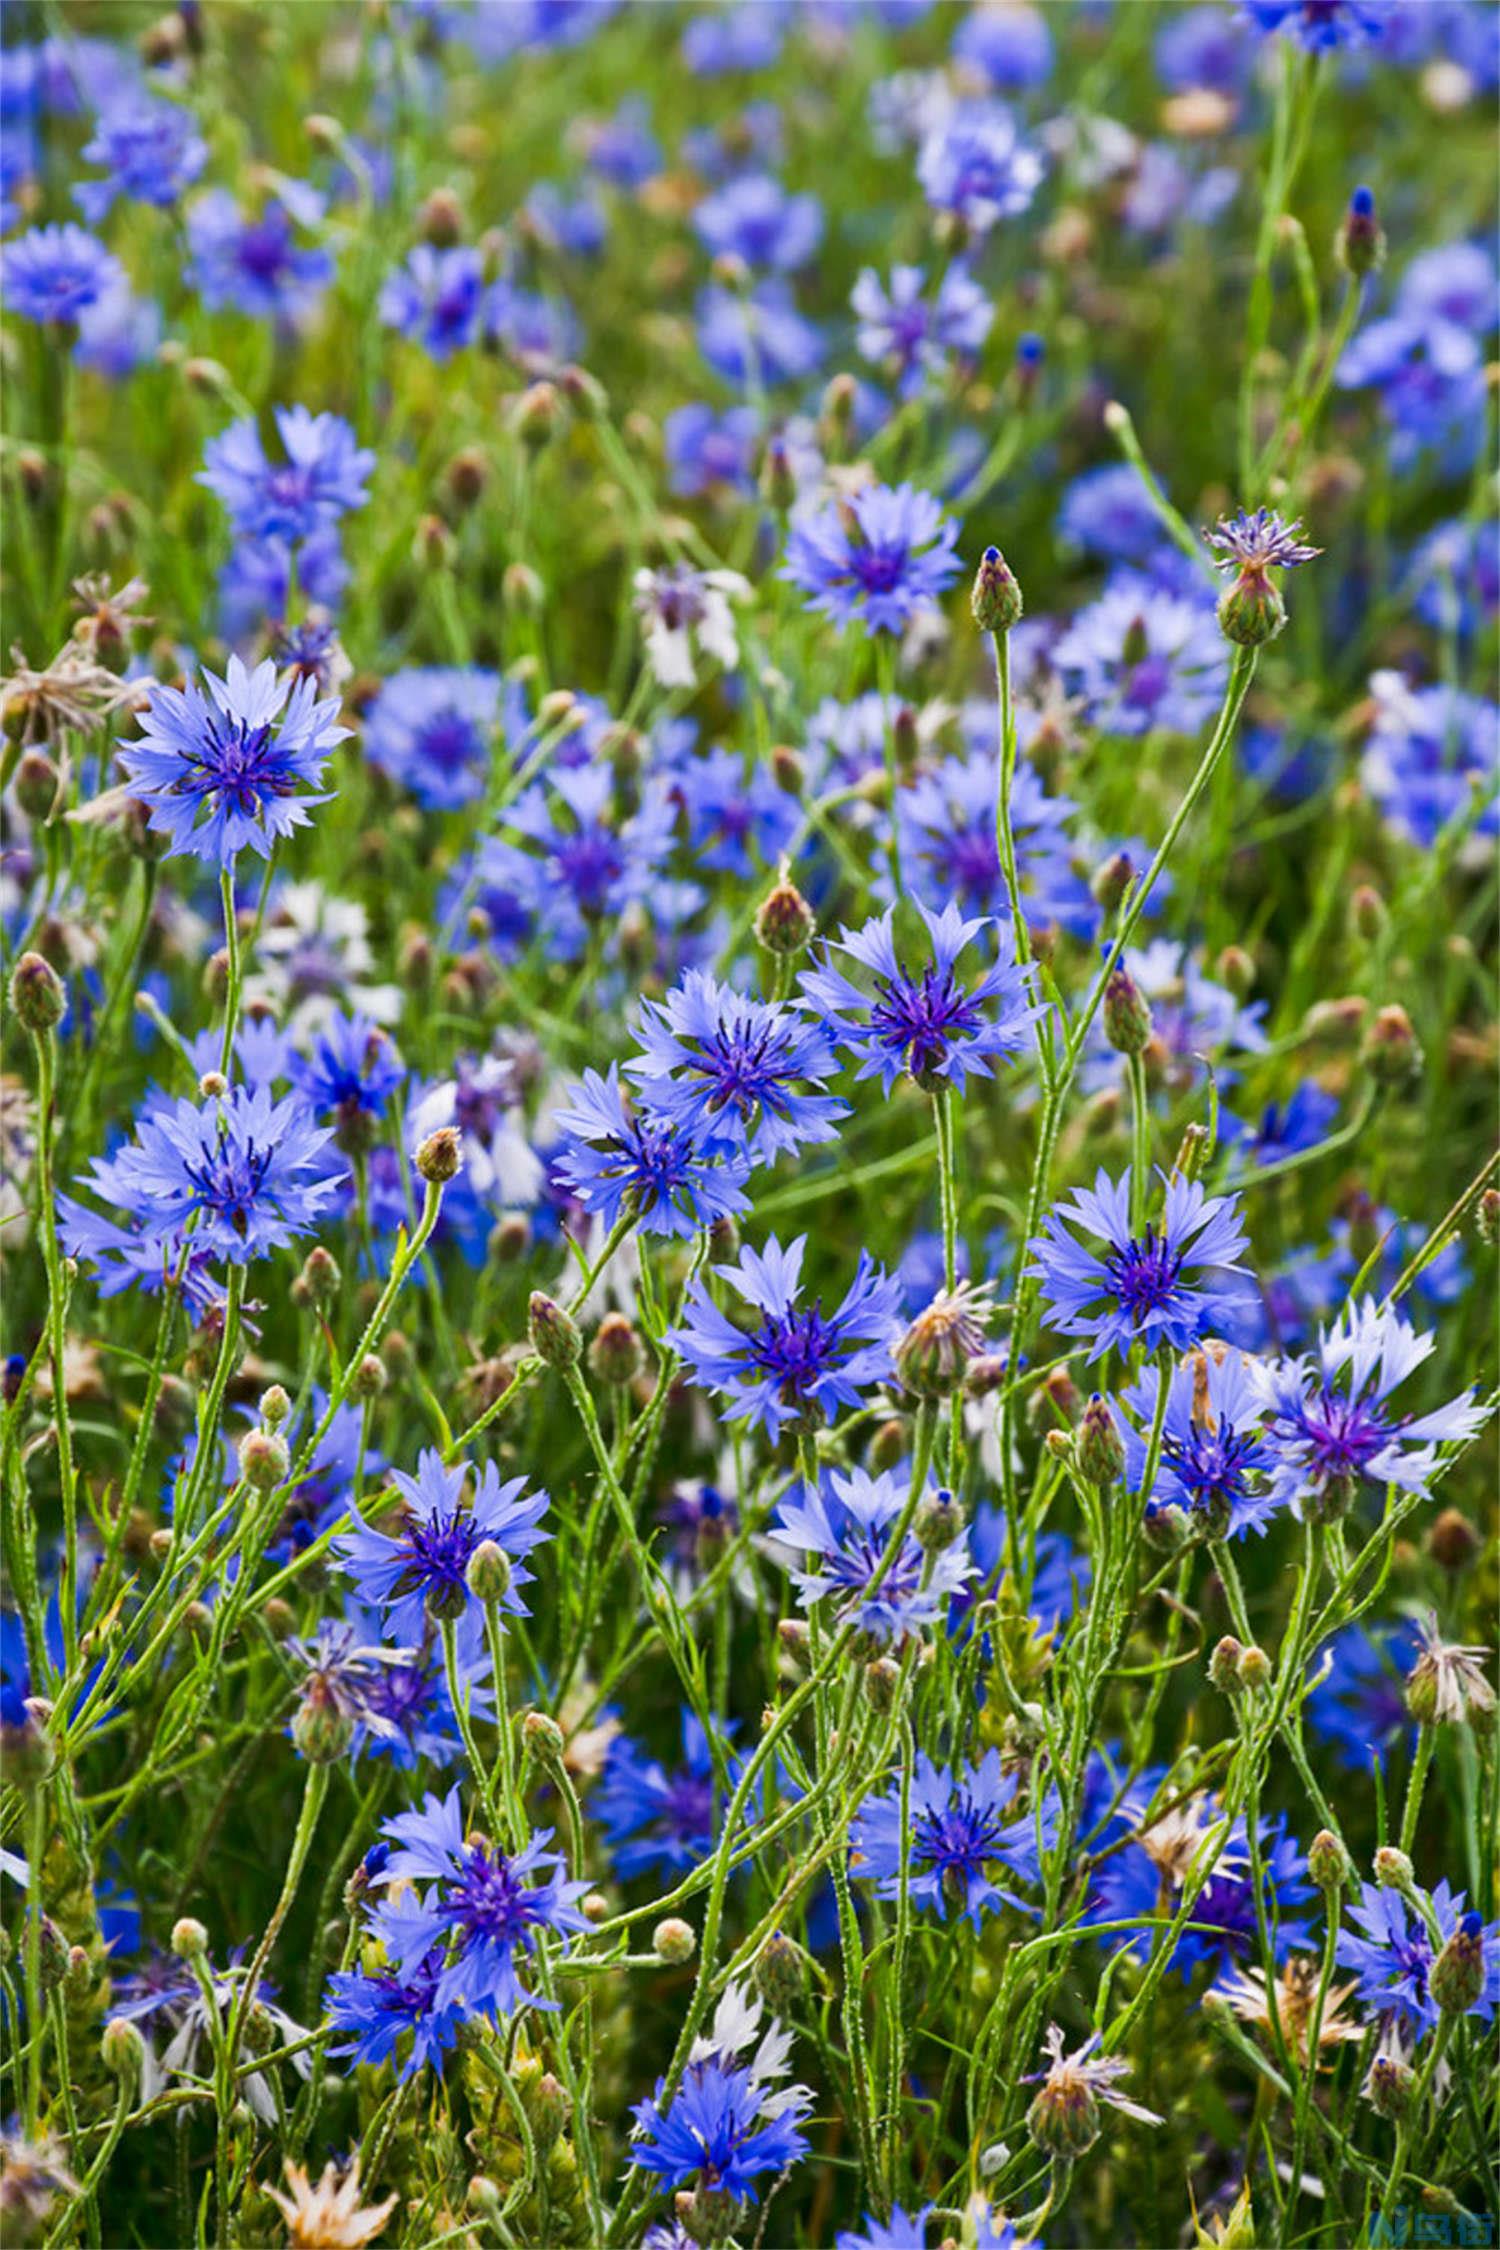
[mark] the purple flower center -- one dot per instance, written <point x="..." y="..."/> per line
<point x="796" y="1348"/>
<point x="229" y="1181"/>
<point x="920" y="1021"/>
<point x="438" y="1548"/>
<point x="239" y="764"/>
<point x="1147" y="682"/>
<point x="739" y="1067"/>
<point x="972" y="863"/>
<point x="1227" y="1903"/>
<point x="860" y="1556"/>
<point x="591" y="864"/>
<point x="262" y="248"/>
<point x="688" y="1811"/>
<point x="448" y="741"/>
<point x="879" y="568"/>
<point x="1213" y="1464"/>
<point x="488" y="1903"/>
<point x="958" y="1840"/>
<point x="1345" y="1434"/>
<point x="1144" y="1274"/>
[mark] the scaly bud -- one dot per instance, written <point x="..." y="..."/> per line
<point x="1098" y="1449"/>
<point x="36" y="994"/>
<point x="440" y="1156"/>
<point x="996" y="599"/>
<point x="1360" y="242"/>
<point x="1127" y="1014"/>
<point x="1328" y="1863"/>
<point x="554" y="1332"/>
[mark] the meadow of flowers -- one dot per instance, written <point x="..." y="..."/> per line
<point x="748" y="1222"/>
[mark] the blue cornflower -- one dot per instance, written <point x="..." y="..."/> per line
<point x="235" y="769"/>
<point x="1166" y="1287"/>
<point x="1144" y="660"/>
<point x="405" y="1710"/>
<point x="903" y="2230"/>
<point x="539" y="333"/>
<point x="755" y="220"/>
<point x="1257" y="540"/>
<point x="1301" y="1122"/>
<point x="1394" y="1955"/>
<point x="708" y="451"/>
<point x="321" y="479"/>
<point x="481" y="1100"/>
<point x="233" y="1179"/>
<point x="750" y="1070"/>
<point x="1012" y="46"/>
<point x="974" y="163"/>
<point x="796" y="1361"/>
<point x="419" y="1571"/>
<point x="380" y="2006"/>
<point x="737" y="823"/>
<point x="960" y="1822"/>
<point x="1357" y="1700"/>
<point x="1426" y="355"/>
<point x="622" y="149"/>
<point x="436" y="299"/>
<point x="756" y="336"/>
<point x="1454" y="577"/>
<point x="255" y="265"/>
<point x="846" y="1530"/>
<point x="929" y="1024"/>
<point x="727" y="2122"/>
<point x="57" y="273"/>
<point x="1320" y="25"/>
<point x="582" y="861"/>
<point x="1108" y="512"/>
<point x="150" y="151"/>
<point x="1142" y="1878"/>
<point x="1331" y="1426"/>
<point x="1431" y="752"/>
<point x="945" y="821"/>
<point x="490" y="1907"/>
<point x="1201" y="47"/>
<point x="745" y="36"/>
<point x="657" y="1167"/>
<point x="654" y="1816"/>
<point x="431" y="729"/>
<point x="880" y="556"/>
<point x="350" y="1076"/>
<point x="918" y="338"/>
<point x="1214" y="1460"/>
<point x="577" y="225"/>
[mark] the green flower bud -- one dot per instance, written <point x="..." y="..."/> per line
<point x="1098" y="1449"/>
<point x="554" y="1332"/>
<point x="440" y="1156"/>
<point x="489" y="1572"/>
<point x="1127" y="1014"/>
<point x="1251" y="610"/>
<point x="1328" y="1863"/>
<point x="36" y="994"/>
<point x="674" y="1941"/>
<point x="996" y="599"/>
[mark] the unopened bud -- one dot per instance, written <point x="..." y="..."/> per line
<point x="322" y="1724"/>
<point x="985" y="1375"/>
<point x="1360" y="241"/>
<point x="939" y="1521"/>
<point x="1393" y="1869"/>
<point x="510" y="1238"/>
<point x="489" y="1572"/>
<point x="441" y="219"/>
<point x="1111" y="882"/>
<point x="796" y="1640"/>
<point x="1487" y="1218"/>
<point x="36" y="784"/>
<point x="1369" y="915"/>
<point x="1223" y="1665"/>
<point x="440" y="1156"/>
<point x="189" y="1940"/>
<point x="122" y="2050"/>
<point x="554" y="1332"/>
<point x="1452" y="1540"/>
<point x="36" y="994"/>
<point x="275" y="1406"/>
<point x="882" y="1683"/>
<point x="615" y="1354"/>
<point x="1098" y="1448"/>
<point x="321" y="1278"/>
<point x="1328" y="1863"/>
<point x="368" y="1378"/>
<point x="1236" y="969"/>
<point x="1389" y="2088"/>
<point x="543" y="1738"/>
<point x="778" y="1973"/>
<point x="1127" y="1014"/>
<point x="1391" y="1049"/>
<point x="784" y="920"/>
<point x="265" y="1461"/>
<point x="1456" y="1978"/>
<point x="1254" y="1669"/>
<point x="996" y="600"/>
<point x="674" y="1941"/>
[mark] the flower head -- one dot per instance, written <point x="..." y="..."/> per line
<point x="56" y="273"/>
<point x="914" y="336"/>
<point x="1320" y="25"/>
<point x="235" y="769"/>
<point x="150" y="151"/>
<point x="1290" y="2000"/>
<point x="846" y="1530"/>
<point x="322" y="477"/>
<point x="1391" y="1951"/>
<point x="379" y="2007"/>
<point x="255" y="265"/>
<point x="879" y="557"/>
<point x="1332" y="1428"/>
<point x="1257" y="540"/>
<point x="329" y="2216"/>
<point x="1449" y="1684"/>
<point x="656" y="1816"/>
<point x="1214" y="1461"/>
<point x="960" y="1822"/>
<point x="672" y="1178"/>
<point x="755" y="220"/>
<point x="436" y="299"/>
<point x="431" y="729"/>
<point x="685" y="611"/>
<point x="491" y="1907"/>
<point x="727" y="2122"/>
<point x="796" y="1359"/>
<point x="1166" y="1286"/>
<point x="350" y="1075"/>
<point x="1064" y="2114"/>
<point x="928" y="1023"/>
<point x="234" y="1178"/>
<point x="975" y="164"/>
<point x="421" y="1568"/>
<point x="1144" y="660"/>
<point x="751" y="1070"/>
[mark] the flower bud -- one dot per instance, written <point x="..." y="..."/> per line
<point x="36" y="784"/>
<point x="535" y="415"/>
<point x="778" y="483"/>
<point x="1487" y="1218"/>
<point x="322" y="1724"/>
<point x="882" y="1683"/>
<point x="1254" y="1669"/>
<point x="615" y="1354"/>
<point x="549" y="2110"/>
<point x="1111" y="881"/>
<point x="1360" y="242"/>
<point x="1393" y="1869"/>
<point x="440" y="1156"/>
<point x="489" y="1573"/>
<point x="796" y="1640"/>
<point x="321" y="1278"/>
<point x="1452" y="1541"/>
<point x="1223" y="1665"/>
<point x="1127" y="1014"/>
<point x="939" y="1521"/>
<point x="441" y="219"/>
<point x="778" y="1973"/>
<point x="543" y="1738"/>
<point x="1369" y="915"/>
<point x="554" y="1332"/>
<point x="996" y="600"/>
<point x="1251" y="610"/>
<point x="985" y="1375"/>
<point x="265" y="1461"/>
<point x="1192" y="1151"/>
<point x="122" y="2050"/>
<point x="189" y="1940"/>
<point x="1166" y="1529"/>
<point x="1456" y="1978"/>
<point x="1328" y="1863"/>
<point x="53" y="1965"/>
<point x="784" y="921"/>
<point x="36" y="994"/>
<point x="368" y="1378"/>
<point x="1064" y="2118"/>
<point x="1236" y="969"/>
<point x="1391" y="1049"/>
<point x="275" y="1406"/>
<point x="674" y="1941"/>
<point x="1389" y="2087"/>
<point x="1098" y="1448"/>
<point x="522" y="590"/>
